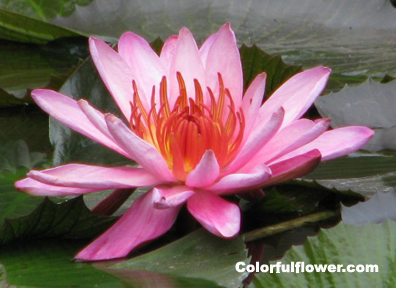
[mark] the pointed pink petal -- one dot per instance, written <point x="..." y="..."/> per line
<point x="66" y="110"/>
<point x="336" y="143"/>
<point x="141" y="58"/>
<point x="297" y="134"/>
<point x="297" y="94"/>
<point x="144" y="153"/>
<point x="140" y="224"/>
<point x="242" y="181"/>
<point x="187" y="61"/>
<point x="217" y="215"/>
<point x="205" y="48"/>
<point x="295" y="167"/>
<point x="95" y="177"/>
<point x="36" y="188"/>
<point x="206" y="172"/>
<point x="258" y="138"/>
<point x="224" y="58"/>
<point x="252" y="100"/>
<point x="168" y="51"/>
<point x="115" y="73"/>
<point x="167" y="197"/>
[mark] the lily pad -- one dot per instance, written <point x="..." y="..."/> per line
<point x="198" y="255"/>
<point x="362" y="173"/>
<point x="378" y="209"/>
<point x="371" y="104"/>
<point x="372" y="244"/>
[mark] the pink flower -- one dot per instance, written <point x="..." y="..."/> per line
<point x="192" y="133"/>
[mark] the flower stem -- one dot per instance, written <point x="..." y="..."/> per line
<point x="111" y="203"/>
<point x="288" y="225"/>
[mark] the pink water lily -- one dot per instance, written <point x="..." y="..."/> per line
<point x="193" y="134"/>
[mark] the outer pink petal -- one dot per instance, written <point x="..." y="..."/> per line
<point x="140" y="224"/>
<point x="252" y="100"/>
<point x="167" y="197"/>
<point x="217" y="215"/>
<point x="242" y="181"/>
<point x="68" y="112"/>
<point x="295" y="167"/>
<point x="336" y="143"/>
<point x="115" y="73"/>
<point x="141" y="58"/>
<point x="168" y="51"/>
<point x="206" y="172"/>
<point x="143" y="153"/>
<point x="297" y="94"/>
<point x="37" y="188"/>
<point x="187" y="61"/>
<point x="297" y="134"/>
<point x="95" y="177"/>
<point x="257" y="139"/>
<point x="224" y="58"/>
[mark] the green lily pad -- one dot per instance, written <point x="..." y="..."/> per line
<point x="197" y="255"/>
<point x="362" y="173"/>
<point x="372" y="244"/>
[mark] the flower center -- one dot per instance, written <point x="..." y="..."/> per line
<point x="183" y="134"/>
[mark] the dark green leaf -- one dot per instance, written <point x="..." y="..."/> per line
<point x="47" y="263"/>
<point x="69" y="219"/>
<point x="17" y="27"/>
<point x="199" y="255"/>
<point x="255" y="61"/>
<point x="345" y="244"/>
<point x="25" y="66"/>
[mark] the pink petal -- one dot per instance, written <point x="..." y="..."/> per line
<point x="115" y="73"/>
<point x="336" y="143"/>
<point x="297" y="94"/>
<point x="167" y="197"/>
<point x="187" y="61"/>
<point x="215" y="214"/>
<point x="168" y="51"/>
<point x="223" y="57"/>
<point x="206" y="172"/>
<point x="252" y="100"/>
<point x="143" y="153"/>
<point x="141" y="58"/>
<point x="205" y="48"/>
<point x="295" y="167"/>
<point x="297" y="134"/>
<point x="95" y="177"/>
<point x="33" y="187"/>
<point x="68" y="112"/>
<point x="242" y="181"/>
<point x="258" y="138"/>
<point x="140" y="224"/>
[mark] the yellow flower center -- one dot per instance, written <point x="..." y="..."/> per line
<point x="184" y="133"/>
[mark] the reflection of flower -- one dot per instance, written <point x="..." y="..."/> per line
<point x="192" y="133"/>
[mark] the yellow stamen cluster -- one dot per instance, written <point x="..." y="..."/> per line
<point x="183" y="133"/>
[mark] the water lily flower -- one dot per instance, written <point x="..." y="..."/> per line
<point x="193" y="134"/>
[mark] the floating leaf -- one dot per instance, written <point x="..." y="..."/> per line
<point x="370" y="104"/>
<point x="198" y="255"/>
<point x="344" y="244"/>
<point x="378" y="209"/>
<point x="17" y="27"/>
<point x="363" y="173"/>
<point x="26" y="66"/>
